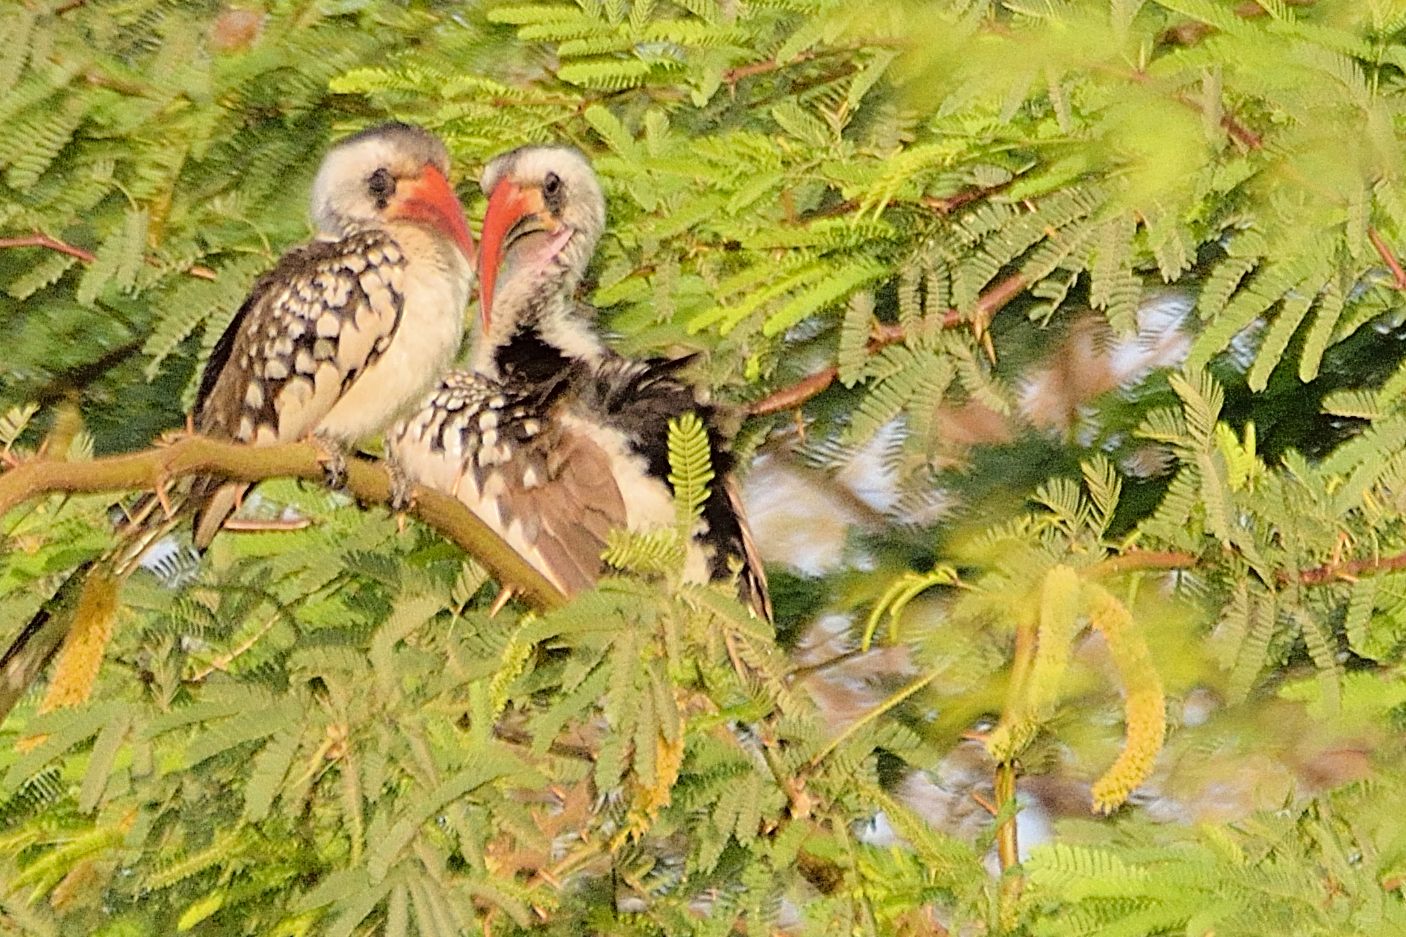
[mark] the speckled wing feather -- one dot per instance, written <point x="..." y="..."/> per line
<point x="545" y="487"/>
<point x="309" y="329"/>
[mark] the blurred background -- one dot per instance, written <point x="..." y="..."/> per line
<point x="995" y="292"/>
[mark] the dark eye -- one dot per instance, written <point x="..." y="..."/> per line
<point x="552" y="184"/>
<point x="381" y="185"/>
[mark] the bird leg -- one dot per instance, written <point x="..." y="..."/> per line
<point x="402" y="487"/>
<point x="162" y="498"/>
<point x="333" y="458"/>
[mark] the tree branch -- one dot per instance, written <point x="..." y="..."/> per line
<point x="1352" y="569"/>
<point x="49" y="243"/>
<point x="1142" y="560"/>
<point x="794" y="395"/>
<point x="1148" y="560"/>
<point x="197" y="455"/>
<point x="39" y="239"/>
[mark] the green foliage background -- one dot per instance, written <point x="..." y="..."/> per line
<point x="324" y="732"/>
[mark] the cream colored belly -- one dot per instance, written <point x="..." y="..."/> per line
<point x="427" y="339"/>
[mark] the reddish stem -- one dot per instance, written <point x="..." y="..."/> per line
<point x="1398" y="275"/>
<point x="1352" y="569"/>
<point x="794" y="395"/>
<point x="48" y="242"/>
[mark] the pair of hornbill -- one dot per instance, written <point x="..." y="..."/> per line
<point x="550" y="438"/>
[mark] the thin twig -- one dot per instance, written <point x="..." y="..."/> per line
<point x="1398" y="275"/>
<point x="947" y="204"/>
<point x="733" y="75"/>
<point x="197" y="455"/>
<point x="1353" y="569"/>
<point x="1137" y="560"/>
<point x="794" y="395"/>
<point x="48" y="242"/>
<point x="1247" y="137"/>
<point x="870" y="716"/>
<point x="222" y="662"/>
<point x="264" y="525"/>
<point x="1169" y="560"/>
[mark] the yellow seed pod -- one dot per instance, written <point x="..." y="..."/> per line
<point x="1144" y="705"/>
<point x="76" y="670"/>
<point x="1044" y="633"/>
<point x="1059" y="625"/>
<point x="651" y="798"/>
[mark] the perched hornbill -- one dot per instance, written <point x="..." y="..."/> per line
<point x="554" y="439"/>
<point x="343" y="336"/>
<point x="347" y="332"/>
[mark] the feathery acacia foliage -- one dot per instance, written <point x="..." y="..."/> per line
<point x="877" y="215"/>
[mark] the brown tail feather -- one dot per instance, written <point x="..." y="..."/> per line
<point x="751" y="584"/>
<point x="214" y="509"/>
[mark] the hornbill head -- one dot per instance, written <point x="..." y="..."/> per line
<point x="545" y="215"/>
<point x="386" y="176"/>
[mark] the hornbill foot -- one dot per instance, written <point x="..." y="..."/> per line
<point x="333" y="458"/>
<point x="402" y="488"/>
<point x="172" y="436"/>
<point x="163" y="499"/>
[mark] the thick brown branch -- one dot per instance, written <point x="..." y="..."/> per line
<point x="812" y="385"/>
<point x="63" y="247"/>
<point x="196" y="455"/>
<point x="1007" y="848"/>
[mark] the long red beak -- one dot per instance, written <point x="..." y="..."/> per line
<point x="432" y="202"/>
<point x="508" y="205"/>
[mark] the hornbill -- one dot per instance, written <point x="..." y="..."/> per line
<point x="552" y="438"/>
<point x="343" y="336"/>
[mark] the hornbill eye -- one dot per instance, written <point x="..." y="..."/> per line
<point x="381" y="185"/>
<point x="551" y="185"/>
